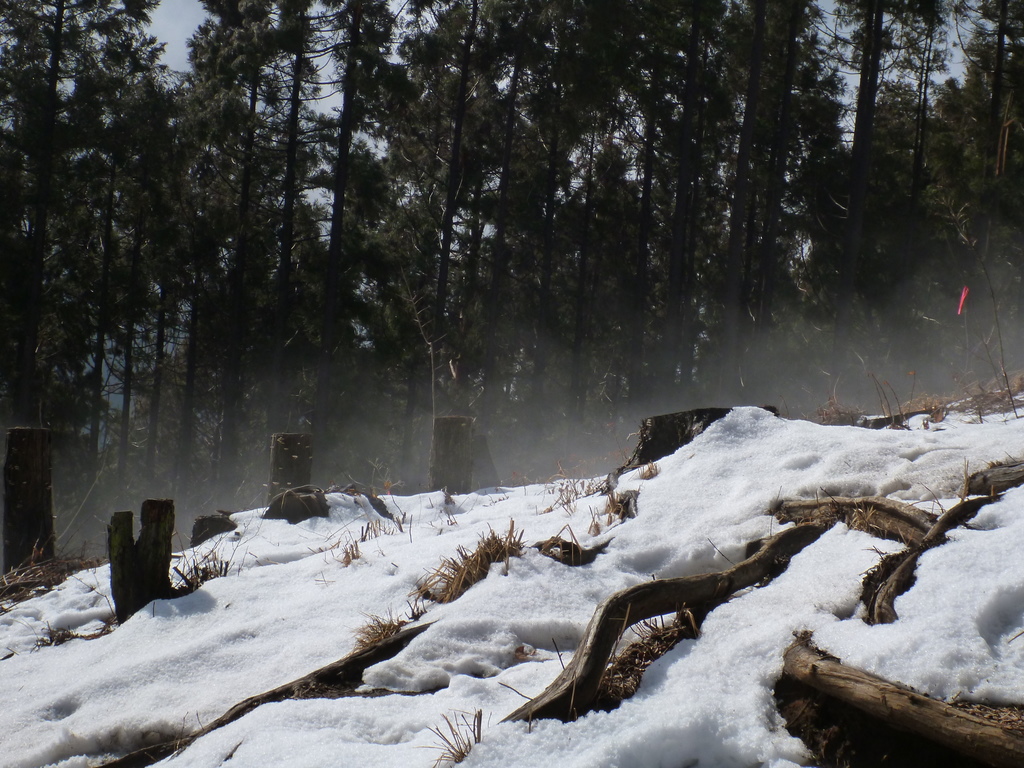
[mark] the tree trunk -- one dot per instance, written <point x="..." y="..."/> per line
<point x="913" y="239"/>
<point x="501" y="256"/>
<point x="99" y="401"/>
<point x="278" y="410"/>
<point x="183" y="455"/>
<point x="768" y="262"/>
<point x="26" y="394"/>
<point x="156" y="396"/>
<point x="346" y="128"/>
<point x="545" y="328"/>
<point x="128" y="376"/>
<point x="678" y="283"/>
<point x="730" y="374"/>
<point x="577" y="384"/>
<point x="634" y="351"/>
<point x="28" y="498"/>
<point x="454" y="183"/>
<point x="232" y="384"/>
<point x="860" y="171"/>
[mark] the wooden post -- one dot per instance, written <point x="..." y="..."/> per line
<point x="451" y="454"/>
<point x="28" y="498"/>
<point x="291" y="461"/>
<point x="140" y="571"/>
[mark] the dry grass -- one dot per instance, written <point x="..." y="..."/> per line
<point x="625" y="671"/>
<point x="618" y="507"/>
<point x="457" y="737"/>
<point x="455" y="575"/>
<point x="649" y="471"/>
<point x="375" y="529"/>
<point x="569" y="492"/>
<point x="61" y="635"/>
<point x="834" y="413"/>
<point x="32" y="580"/>
<point x="378" y="629"/>
<point x="193" y="571"/>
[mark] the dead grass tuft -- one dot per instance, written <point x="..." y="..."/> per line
<point x="455" y="575"/>
<point x="378" y="629"/>
<point x="457" y="737"/>
<point x="619" y="507"/>
<point x="570" y="491"/>
<point x="349" y="553"/>
<point x="60" y="635"/>
<point x="32" y="580"/>
<point x="625" y="671"/>
<point x="193" y="571"/>
<point x="835" y="413"/>
<point x="649" y="470"/>
<point x="375" y="529"/>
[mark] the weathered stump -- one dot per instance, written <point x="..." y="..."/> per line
<point x="663" y="435"/>
<point x="451" y="454"/>
<point x="28" y="498"/>
<point x="206" y="527"/>
<point x="291" y="461"/>
<point x="298" y="504"/>
<point x="121" y="552"/>
<point x="140" y="571"/>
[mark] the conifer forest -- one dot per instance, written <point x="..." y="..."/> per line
<point x="557" y="216"/>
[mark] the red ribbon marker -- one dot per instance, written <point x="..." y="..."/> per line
<point x="963" y="298"/>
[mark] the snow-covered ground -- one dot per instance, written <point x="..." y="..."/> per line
<point x="290" y="604"/>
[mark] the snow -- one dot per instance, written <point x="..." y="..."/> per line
<point x="290" y="604"/>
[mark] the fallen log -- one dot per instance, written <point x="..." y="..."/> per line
<point x="337" y="679"/>
<point x="995" y="479"/>
<point x="575" y="690"/>
<point x="953" y="727"/>
<point x="876" y="515"/>
<point x="895" y="573"/>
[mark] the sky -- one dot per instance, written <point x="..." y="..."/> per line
<point x="294" y="596"/>
<point x="173" y="23"/>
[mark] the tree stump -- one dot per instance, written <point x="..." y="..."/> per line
<point x="121" y="552"/>
<point x="663" y="435"/>
<point x="28" y="498"/>
<point x="291" y="462"/>
<point x="298" y="504"/>
<point x="140" y="571"/>
<point x="451" y="454"/>
<point x="205" y="527"/>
